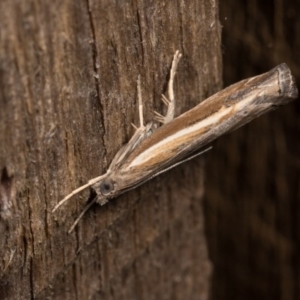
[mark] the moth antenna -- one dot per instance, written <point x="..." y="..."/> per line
<point x="181" y="162"/>
<point x="86" y="208"/>
<point x="83" y="187"/>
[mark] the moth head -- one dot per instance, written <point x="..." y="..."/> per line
<point x="106" y="187"/>
<point x="105" y="190"/>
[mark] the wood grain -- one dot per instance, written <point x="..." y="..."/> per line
<point x="68" y="95"/>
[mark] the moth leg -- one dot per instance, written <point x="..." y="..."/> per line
<point x="141" y="132"/>
<point x="141" y="116"/>
<point x="86" y="208"/>
<point x="170" y="102"/>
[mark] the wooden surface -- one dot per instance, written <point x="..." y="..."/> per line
<point x="253" y="175"/>
<point x="68" y="73"/>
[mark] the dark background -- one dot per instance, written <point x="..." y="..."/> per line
<point x="253" y="184"/>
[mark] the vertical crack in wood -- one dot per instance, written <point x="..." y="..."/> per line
<point x="96" y="66"/>
<point x="6" y="184"/>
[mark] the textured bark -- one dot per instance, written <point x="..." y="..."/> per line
<point x="253" y="179"/>
<point x="68" y="73"/>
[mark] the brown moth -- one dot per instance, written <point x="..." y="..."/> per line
<point x="152" y="151"/>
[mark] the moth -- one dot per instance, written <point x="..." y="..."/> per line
<point x="152" y="151"/>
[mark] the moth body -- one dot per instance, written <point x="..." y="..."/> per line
<point x="151" y="150"/>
